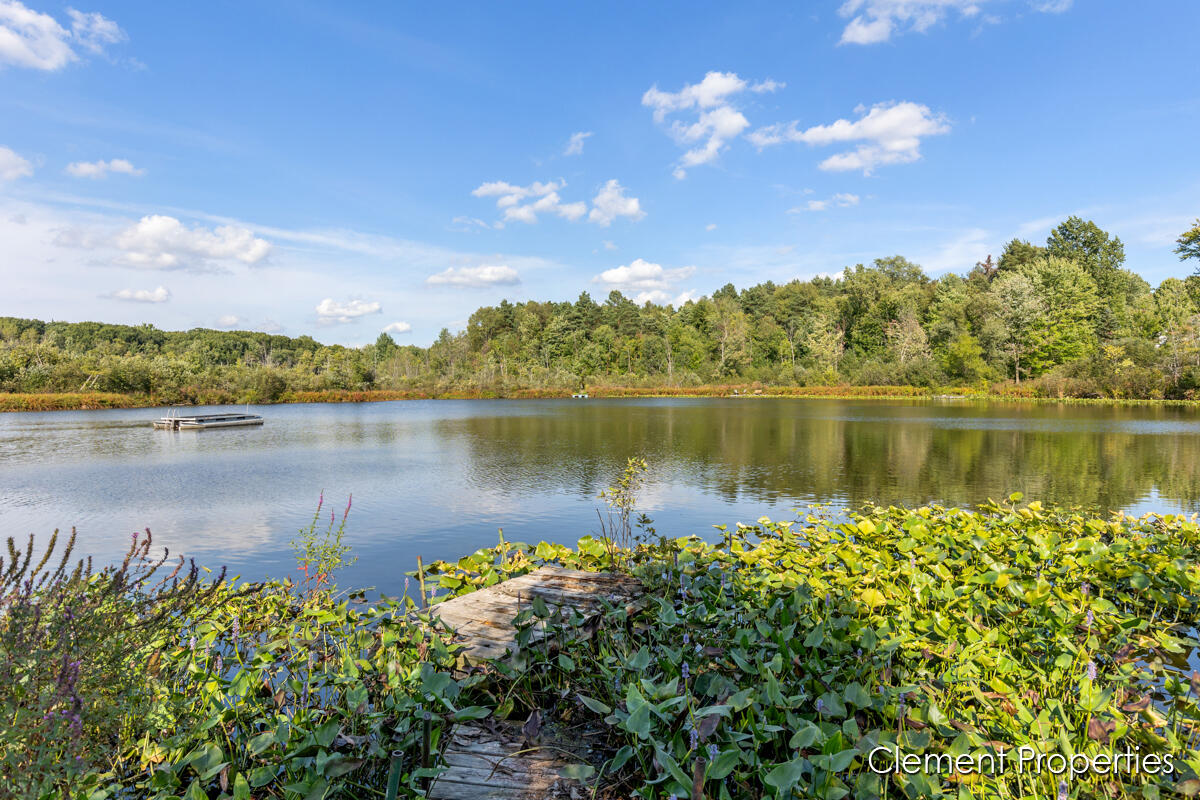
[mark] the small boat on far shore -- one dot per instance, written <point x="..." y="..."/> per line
<point x="201" y="421"/>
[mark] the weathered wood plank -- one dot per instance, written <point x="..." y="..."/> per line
<point x="483" y="620"/>
<point x="495" y="763"/>
<point x="499" y="765"/>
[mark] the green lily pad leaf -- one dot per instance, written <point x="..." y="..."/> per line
<point x="873" y="598"/>
<point x="786" y="775"/>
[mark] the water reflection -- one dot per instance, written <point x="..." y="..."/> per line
<point x="438" y="478"/>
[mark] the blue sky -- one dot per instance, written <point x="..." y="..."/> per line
<point x="339" y="169"/>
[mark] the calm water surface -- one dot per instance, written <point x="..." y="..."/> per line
<point x="437" y="478"/>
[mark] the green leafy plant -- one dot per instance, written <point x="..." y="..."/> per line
<point x="80" y="652"/>
<point x="320" y="553"/>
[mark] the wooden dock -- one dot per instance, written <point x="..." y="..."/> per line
<point x="483" y="767"/>
<point x="483" y="621"/>
<point x="495" y="760"/>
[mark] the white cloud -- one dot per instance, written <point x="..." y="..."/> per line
<point x="397" y="327"/>
<point x="609" y="245"/>
<point x="158" y="295"/>
<point x="475" y="277"/>
<point x="659" y="297"/>
<point x="162" y="242"/>
<point x="645" y="281"/>
<point x="860" y="31"/>
<point x="229" y="321"/>
<point x="843" y="199"/>
<point x="890" y="133"/>
<point x="509" y="199"/>
<point x="94" y="31"/>
<point x="610" y="202"/>
<point x="100" y="169"/>
<point x="58" y="257"/>
<point x="473" y="224"/>
<point x="12" y="166"/>
<point x="712" y="226"/>
<point x="717" y="121"/>
<point x="575" y="145"/>
<point x="875" y="21"/>
<point x="330" y="311"/>
<point x="1051" y="6"/>
<point x="767" y="86"/>
<point x="35" y="40"/>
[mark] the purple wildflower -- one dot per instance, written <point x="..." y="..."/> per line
<point x="1062" y="790"/>
<point x="1091" y="669"/>
<point x="237" y="627"/>
<point x="713" y="751"/>
<point x="820" y="705"/>
<point x="686" y="672"/>
<point x="1090" y="617"/>
<point x="1085" y="588"/>
<point x="693" y="739"/>
<point x="686" y="638"/>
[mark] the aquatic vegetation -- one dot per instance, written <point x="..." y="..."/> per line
<point x="775" y="662"/>
<point x="780" y="659"/>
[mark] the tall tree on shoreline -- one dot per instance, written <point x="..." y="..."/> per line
<point x="1188" y="244"/>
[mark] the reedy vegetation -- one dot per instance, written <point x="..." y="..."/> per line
<point x="1066" y="319"/>
<point x="767" y="665"/>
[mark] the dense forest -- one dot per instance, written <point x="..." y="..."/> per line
<point x="1061" y="319"/>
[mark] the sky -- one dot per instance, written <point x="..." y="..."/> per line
<point x="342" y="169"/>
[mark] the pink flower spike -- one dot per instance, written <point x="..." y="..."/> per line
<point x="349" y="500"/>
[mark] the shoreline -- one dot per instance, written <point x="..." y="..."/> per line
<point x="93" y="401"/>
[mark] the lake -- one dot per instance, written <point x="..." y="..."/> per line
<point x="438" y="478"/>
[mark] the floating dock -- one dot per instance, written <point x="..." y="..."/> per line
<point x="201" y="421"/>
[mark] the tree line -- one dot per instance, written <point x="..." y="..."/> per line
<point x="1065" y="318"/>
